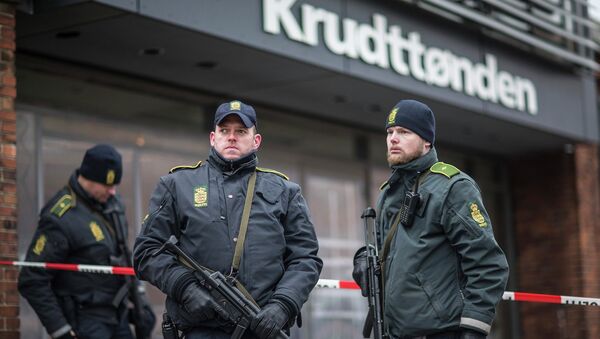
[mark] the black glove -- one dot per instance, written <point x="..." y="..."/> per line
<point x="270" y="320"/>
<point x="69" y="335"/>
<point x="471" y="334"/>
<point x="198" y="302"/>
<point x="359" y="273"/>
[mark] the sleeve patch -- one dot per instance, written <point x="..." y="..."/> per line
<point x="62" y="205"/>
<point x="40" y="243"/>
<point x="268" y="170"/>
<point x="476" y="215"/>
<point x="445" y="169"/>
<point x="177" y="168"/>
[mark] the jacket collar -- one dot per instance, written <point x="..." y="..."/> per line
<point x="230" y="167"/>
<point x="418" y="165"/>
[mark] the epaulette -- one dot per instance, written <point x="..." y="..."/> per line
<point x="62" y="205"/>
<point x="268" y="170"/>
<point x="445" y="169"/>
<point x="177" y="168"/>
<point x="383" y="185"/>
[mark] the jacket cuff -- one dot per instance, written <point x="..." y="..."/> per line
<point x="360" y="252"/>
<point x="61" y="331"/>
<point x="181" y="284"/>
<point x="287" y="303"/>
<point x="475" y="325"/>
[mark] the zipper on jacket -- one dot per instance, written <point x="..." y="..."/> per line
<point x="155" y="212"/>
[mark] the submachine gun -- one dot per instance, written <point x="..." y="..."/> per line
<point x="240" y="309"/>
<point x="374" y="320"/>
<point x="142" y="315"/>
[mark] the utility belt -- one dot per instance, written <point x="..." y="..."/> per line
<point x="105" y="313"/>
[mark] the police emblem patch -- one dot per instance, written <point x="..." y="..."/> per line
<point x="110" y="177"/>
<point x="392" y="116"/>
<point x="235" y="105"/>
<point x="476" y="215"/>
<point x="39" y="245"/>
<point x="200" y="196"/>
<point x="96" y="231"/>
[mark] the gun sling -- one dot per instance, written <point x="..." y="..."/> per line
<point x="239" y="247"/>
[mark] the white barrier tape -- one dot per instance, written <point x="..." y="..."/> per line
<point x="322" y="283"/>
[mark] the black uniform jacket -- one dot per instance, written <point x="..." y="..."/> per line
<point x="72" y="229"/>
<point x="203" y="204"/>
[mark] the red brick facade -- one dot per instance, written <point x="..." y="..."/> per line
<point x="557" y="226"/>
<point x="9" y="297"/>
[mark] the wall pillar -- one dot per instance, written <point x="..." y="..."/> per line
<point x="9" y="296"/>
<point x="556" y="200"/>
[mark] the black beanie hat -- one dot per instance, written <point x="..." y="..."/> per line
<point x="102" y="164"/>
<point x="415" y="116"/>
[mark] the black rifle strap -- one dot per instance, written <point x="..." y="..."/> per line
<point x="121" y="294"/>
<point x="117" y="223"/>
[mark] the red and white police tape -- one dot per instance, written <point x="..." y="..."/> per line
<point x="323" y="283"/>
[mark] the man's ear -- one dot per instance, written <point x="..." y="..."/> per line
<point x="257" y="140"/>
<point x="211" y="137"/>
<point x="427" y="146"/>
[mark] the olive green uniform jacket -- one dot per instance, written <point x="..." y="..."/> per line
<point x="446" y="270"/>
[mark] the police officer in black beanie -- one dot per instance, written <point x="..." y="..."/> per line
<point x="76" y="227"/>
<point x="444" y="272"/>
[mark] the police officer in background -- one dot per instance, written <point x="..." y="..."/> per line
<point x="74" y="227"/>
<point x="202" y="205"/>
<point x="443" y="271"/>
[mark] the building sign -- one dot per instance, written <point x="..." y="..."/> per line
<point x="387" y="46"/>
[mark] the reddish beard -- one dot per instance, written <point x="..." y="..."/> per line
<point x="402" y="158"/>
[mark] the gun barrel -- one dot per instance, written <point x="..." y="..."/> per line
<point x="374" y="321"/>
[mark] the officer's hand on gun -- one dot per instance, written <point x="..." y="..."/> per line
<point x="270" y="320"/>
<point x="198" y="302"/>
<point x="359" y="273"/>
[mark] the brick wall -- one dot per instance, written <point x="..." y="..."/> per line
<point x="9" y="297"/>
<point x="556" y="218"/>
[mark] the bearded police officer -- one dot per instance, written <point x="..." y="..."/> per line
<point x="76" y="227"/>
<point x="443" y="271"/>
<point x="203" y="205"/>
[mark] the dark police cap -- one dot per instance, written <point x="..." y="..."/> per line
<point x="245" y="112"/>
<point x="102" y="163"/>
<point x="415" y="116"/>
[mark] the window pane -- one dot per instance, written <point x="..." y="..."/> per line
<point x="337" y="201"/>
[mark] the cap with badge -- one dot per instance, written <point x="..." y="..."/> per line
<point x="245" y="112"/>
<point x="102" y="163"/>
<point x="415" y="116"/>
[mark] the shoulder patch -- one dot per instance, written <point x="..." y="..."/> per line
<point x="177" y="168"/>
<point x="444" y="169"/>
<point x="383" y="185"/>
<point x="62" y="205"/>
<point x="268" y="170"/>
